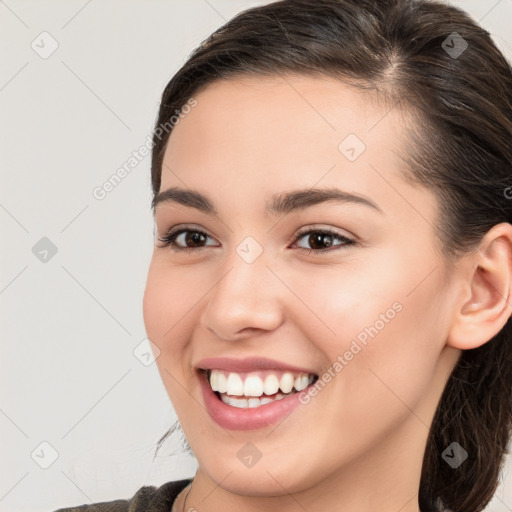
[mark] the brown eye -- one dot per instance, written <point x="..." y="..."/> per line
<point x="321" y="240"/>
<point x="194" y="238"/>
<point x="184" y="239"/>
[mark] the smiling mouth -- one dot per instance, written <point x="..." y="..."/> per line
<point x="256" y="388"/>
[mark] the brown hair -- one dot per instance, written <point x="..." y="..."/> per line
<point x="458" y="87"/>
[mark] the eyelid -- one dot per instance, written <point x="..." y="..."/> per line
<point x="322" y="228"/>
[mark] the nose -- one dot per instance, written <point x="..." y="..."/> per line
<point x="244" y="301"/>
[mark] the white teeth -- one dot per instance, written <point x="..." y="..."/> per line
<point x="254" y="386"/>
<point x="302" y="382"/>
<point x="238" y="402"/>
<point x="286" y="382"/>
<point x="222" y="382"/>
<point x="235" y="386"/>
<point x="253" y="402"/>
<point x="214" y="377"/>
<point x="271" y="385"/>
<point x="246" y="403"/>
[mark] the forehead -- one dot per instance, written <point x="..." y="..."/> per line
<point x="267" y="134"/>
<point x="280" y="113"/>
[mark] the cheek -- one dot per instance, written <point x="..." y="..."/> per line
<point x="165" y="318"/>
<point x="159" y="311"/>
<point x="382" y="335"/>
<point x="167" y="304"/>
<point x="169" y="310"/>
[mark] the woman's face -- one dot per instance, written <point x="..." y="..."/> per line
<point x="369" y="315"/>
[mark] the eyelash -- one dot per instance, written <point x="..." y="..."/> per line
<point x="168" y="240"/>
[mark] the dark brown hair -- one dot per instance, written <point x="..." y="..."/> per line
<point x="457" y="86"/>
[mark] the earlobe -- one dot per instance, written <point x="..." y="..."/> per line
<point x="489" y="287"/>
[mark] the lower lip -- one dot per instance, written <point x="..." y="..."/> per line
<point x="251" y="418"/>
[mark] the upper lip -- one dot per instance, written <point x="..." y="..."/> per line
<point x="247" y="364"/>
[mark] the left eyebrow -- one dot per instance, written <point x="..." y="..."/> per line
<point x="280" y="204"/>
<point x="304" y="198"/>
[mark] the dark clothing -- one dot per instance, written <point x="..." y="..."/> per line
<point x="161" y="499"/>
<point x="146" y="499"/>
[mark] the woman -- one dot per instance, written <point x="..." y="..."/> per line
<point x="330" y="289"/>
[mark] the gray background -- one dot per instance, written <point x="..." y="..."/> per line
<point x="70" y="325"/>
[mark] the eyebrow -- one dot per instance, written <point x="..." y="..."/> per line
<point x="280" y="204"/>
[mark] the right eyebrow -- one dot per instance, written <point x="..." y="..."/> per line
<point x="190" y="198"/>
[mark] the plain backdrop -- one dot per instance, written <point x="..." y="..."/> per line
<point x="81" y="408"/>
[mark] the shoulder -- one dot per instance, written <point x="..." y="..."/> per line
<point x="146" y="499"/>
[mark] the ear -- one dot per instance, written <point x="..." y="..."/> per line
<point x="485" y="302"/>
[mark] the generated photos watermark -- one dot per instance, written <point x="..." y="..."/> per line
<point x="343" y="360"/>
<point x="100" y="192"/>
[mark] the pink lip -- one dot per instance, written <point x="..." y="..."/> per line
<point x="234" y="418"/>
<point x="247" y="364"/>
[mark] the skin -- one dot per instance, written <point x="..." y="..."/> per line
<point x="360" y="441"/>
